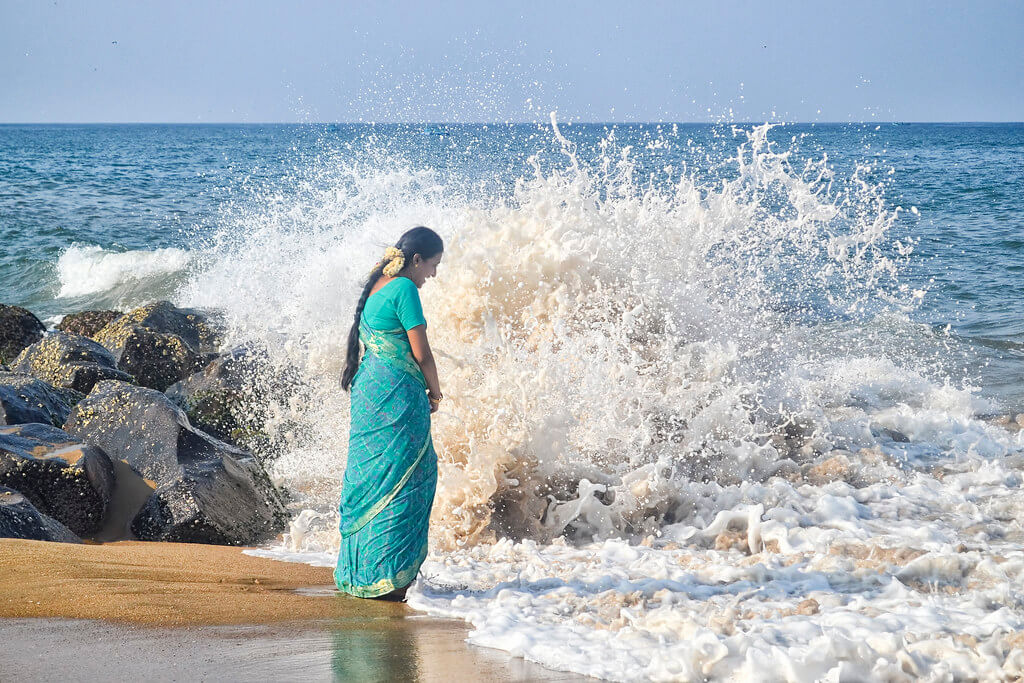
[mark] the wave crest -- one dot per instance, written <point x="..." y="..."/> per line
<point x="120" y="278"/>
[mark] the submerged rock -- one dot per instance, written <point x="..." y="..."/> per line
<point x="20" y="519"/>
<point x="64" y="478"/>
<point x="69" y="362"/>
<point x="18" y="328"/>
<point x="206" y="491"/>
<point x="24" y="398"/>
<point x="87" y="323"/>
<point x="158" y="344"/>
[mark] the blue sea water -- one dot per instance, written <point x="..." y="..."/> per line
<point x="143" y="188"/>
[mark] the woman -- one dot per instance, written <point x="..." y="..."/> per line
<point x="391" y="472"/>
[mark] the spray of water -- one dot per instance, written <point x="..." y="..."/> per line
<point x="604" y="335"/>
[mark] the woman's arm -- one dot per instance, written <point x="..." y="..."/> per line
<point x="425" y="357"/>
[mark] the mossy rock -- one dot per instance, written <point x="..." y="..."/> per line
<point x="158" y="344"/>
<point x="195" y="329"/>
<point x="229" y="398"/>
<point x="87" y="323"/>
<point x="70" y="362"/>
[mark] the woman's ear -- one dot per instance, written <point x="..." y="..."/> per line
<point x="417" y="260"/>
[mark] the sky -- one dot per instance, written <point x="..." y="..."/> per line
<point x="481" y="61"/>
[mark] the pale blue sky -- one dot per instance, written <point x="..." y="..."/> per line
<point x="259" y="61"/>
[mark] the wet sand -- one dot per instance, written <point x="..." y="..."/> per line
<point x="167" y="611"/>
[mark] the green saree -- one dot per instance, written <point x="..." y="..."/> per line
<point x="391" y="473"/>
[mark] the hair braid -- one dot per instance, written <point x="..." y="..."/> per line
<point x="352" y="355"/>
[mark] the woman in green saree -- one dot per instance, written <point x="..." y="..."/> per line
<point x="391" y="473"/>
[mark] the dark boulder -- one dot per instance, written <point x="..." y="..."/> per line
<point x="154" y="359"/>
<point x="24" y="398"/>
<point x="229" y="397"/>
<point x="20" y="519"/>
<point x="69" y="362"/>
<point x="18" y="329"/>
<point x="206" y="491"/>
<point x="158" y="344"/>
<point x="64" y="478"/>
<point x="87" y="323"/>
<point x="196" y="329"/>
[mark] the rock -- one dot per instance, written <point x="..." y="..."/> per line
<point x="64" y="478"/>
<point x="228" y="398"/>
<point x="24" y="398"/>
<point x="155" y="360"/>
<point x="213" y="397"/>
<point x="87" y="323"/>
<point x="18" y="329"/>
<point x="20" y="519"/>
<point x="69" y="362"/>
<point x="894" y="435"/>
<point x="158" y="344"/>
<point x="206" y="491"/>
<point x="195" y="329"/>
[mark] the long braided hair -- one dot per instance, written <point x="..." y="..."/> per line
<point x="418" y="240"/>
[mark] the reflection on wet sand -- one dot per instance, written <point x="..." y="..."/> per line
<point x="374" y="654"/>
<point x="365" y="650"/>
<point x="426" y="650"/>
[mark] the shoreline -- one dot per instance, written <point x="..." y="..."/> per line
<point x="179" y="611"/>
<point x="166" y="584"/>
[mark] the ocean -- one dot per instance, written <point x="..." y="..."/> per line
<point x="721" y="400"/>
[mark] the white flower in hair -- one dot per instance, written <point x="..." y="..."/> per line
<point x="395" y="259"/>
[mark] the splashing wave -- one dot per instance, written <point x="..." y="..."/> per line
<point x="672" y="375"/>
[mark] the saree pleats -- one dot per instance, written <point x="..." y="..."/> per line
<point x="390" y="478"/>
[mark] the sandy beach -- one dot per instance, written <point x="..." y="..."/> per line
<point x="167" y="611"/>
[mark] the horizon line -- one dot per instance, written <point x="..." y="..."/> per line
<point x="488" y="123"/>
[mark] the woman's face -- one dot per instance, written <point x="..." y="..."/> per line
<point x="424" y="268"/>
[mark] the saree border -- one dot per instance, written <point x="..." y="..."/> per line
<point x="403" y="578"/>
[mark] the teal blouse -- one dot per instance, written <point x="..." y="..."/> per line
<point x="395" y="305"/>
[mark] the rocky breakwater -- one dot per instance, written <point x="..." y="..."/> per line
<point x="128" y="462"/>
<point x="205" y="490"/>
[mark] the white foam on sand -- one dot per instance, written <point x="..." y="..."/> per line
<point x="690" y="430"/>
<point x="864" y="567"/>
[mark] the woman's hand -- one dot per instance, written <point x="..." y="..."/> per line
<point x="435" y="401"/>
